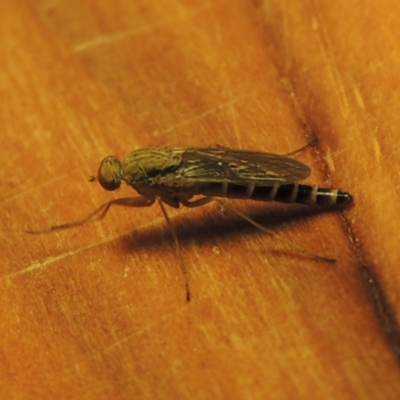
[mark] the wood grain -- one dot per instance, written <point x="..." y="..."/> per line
<point x="99" y="311"/>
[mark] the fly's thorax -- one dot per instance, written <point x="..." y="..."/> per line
<point x="110" y="173"/>
<point x="146" y="189"/>
<point x="140" y="165"/>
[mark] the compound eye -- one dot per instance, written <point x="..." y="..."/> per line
<point x="109" y="174"/>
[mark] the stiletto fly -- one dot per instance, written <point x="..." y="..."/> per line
<point x="174" y="176"/>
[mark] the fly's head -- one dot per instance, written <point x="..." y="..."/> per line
<point x="110" y="173"/>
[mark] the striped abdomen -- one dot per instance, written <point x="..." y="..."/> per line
<point x="285" y="193"/>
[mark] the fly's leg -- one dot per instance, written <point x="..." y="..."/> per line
<point x="311" y="143"/>
<point x="275" y="235"/>
<point x="99" y="213"/>
<point x="177" y="247"/>
<point x="205" y="200"/>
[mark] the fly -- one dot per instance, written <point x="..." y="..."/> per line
<point x="174" y="176"/>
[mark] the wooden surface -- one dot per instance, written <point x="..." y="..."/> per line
<point x="99" y="311"/>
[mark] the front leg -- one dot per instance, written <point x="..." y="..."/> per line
<point x="100" y="212"/>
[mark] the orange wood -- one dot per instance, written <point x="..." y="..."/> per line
<point x="99" y="311"/>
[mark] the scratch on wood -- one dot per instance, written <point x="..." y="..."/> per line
<point x="102" y="40"/>
<point x="51" y="260"/>
<point x="359" y="98"/>
<point x="106" y="39"/>
<point x="329" y="160"/>
<point x="333" y="70"/>
<point x="377" y="149"/>
<point x="43" y="263"/>
<point x="221" y="106"/>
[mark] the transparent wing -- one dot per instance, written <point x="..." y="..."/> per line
<point x="216" y="164"/>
